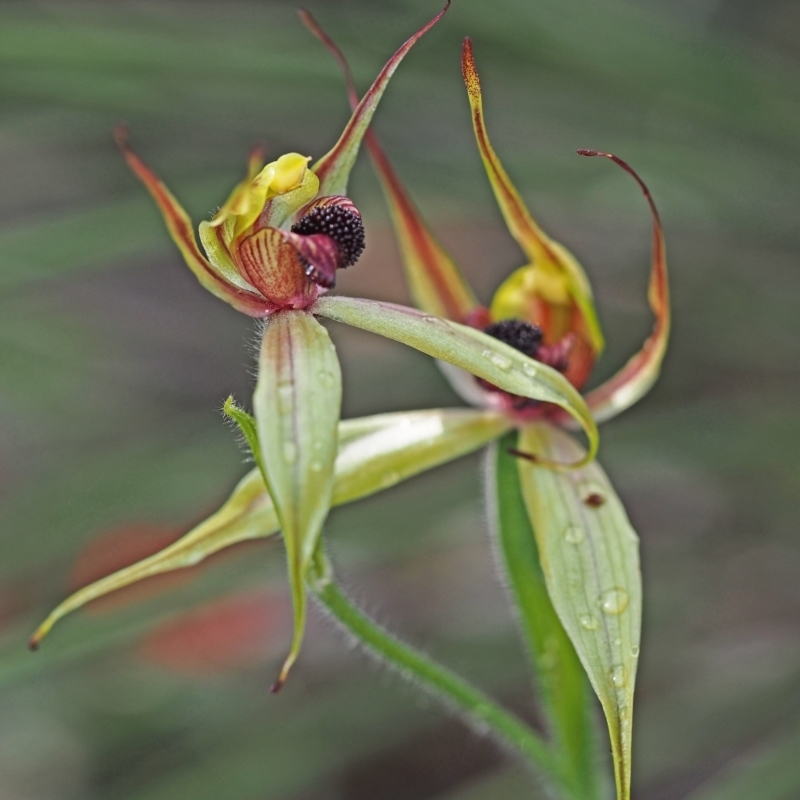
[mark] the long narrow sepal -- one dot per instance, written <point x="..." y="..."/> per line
<point x="247" y="514"/>
<point x="471" y="350"/>
<point x="434" y="279"/>
<point x="543" y="253"/>
<point x="180" y="229"/>
<point x="590" y="557"/>
<point x="374" y="453"/>
<point x="297" y="403"/>
<point x="636" y="378"/>
<point x="333" y="169"/>
<point x="561" y="683"/>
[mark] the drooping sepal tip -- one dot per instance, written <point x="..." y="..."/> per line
<point x="639" y="374"/>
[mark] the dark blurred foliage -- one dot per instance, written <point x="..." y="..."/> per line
<point x="114" y="364"/>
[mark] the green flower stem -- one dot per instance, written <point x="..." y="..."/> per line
<point x="480" y="710"/>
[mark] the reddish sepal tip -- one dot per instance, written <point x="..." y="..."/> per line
<point x="33" y="644"/>
<point x="278" y="685"/>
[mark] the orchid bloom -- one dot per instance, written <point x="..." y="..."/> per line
<point x="272" y="251"/>
<point x="587" y="549"/>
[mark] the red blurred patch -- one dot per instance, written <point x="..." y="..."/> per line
<point x="236" y="632"/>
<point x="120" y="548"/>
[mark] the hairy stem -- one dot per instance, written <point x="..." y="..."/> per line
<point x="480" y="711"/>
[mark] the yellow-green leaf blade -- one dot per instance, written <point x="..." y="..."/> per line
<point x="470" y="349"/>
<point x="297" y="403"/>
<point x="590" y="558"/>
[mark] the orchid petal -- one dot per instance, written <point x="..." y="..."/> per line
<point x="374" y="453"/>
<point x="470" y="349"/>
<point x="435" y="282"/>
<point x="636" y="378"/>
<point x="297" y="403"/>
<point x="556" y="265"/>
<point x="272" y="264"/>
<point x="333" y="169"/>
<point x="180" y="229"/>
<point x="590" y="557"/>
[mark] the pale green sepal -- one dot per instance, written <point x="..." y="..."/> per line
<point x="590" y="558"/>
<point x="297" y="403"/>
<point x="561" y="683"/>
<point x="470" y="349"/>
<point x="247" y="514"/>
<point x="374" y="452"/>
<point x="415" y="442"/>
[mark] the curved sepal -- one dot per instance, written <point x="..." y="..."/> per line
<point x="297" y="403"/>
<point x="333" y="169"/>
<point x="216" y="280"/>
<point x="374" y="453"/>
<point x="590" y="558"/>
<point x="247" y="514"/>
<point x="553" y="269"/>
<point x="434" y="279"/>
<point x="636" y="378"/>
<point x="470" y="349"/>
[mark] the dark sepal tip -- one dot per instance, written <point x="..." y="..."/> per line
<point x="278" y="685"/>
<point x="33" y="645"/>
<point x="585" y="152"/>
<point x="522" y="454"/>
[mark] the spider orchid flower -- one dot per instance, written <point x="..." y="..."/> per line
<point x="272" y="251"/>
<point x="587" y="549"/>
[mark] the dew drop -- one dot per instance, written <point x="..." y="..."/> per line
<point x="529" y="369"/>
<point x="573" y="534"/>
<point x="390" y="479"/>
<point x="285" y="396"/>
<point x="289" y="452"/>
<point x="635" y="651"/>
<point x="499" y="360"/>
<point x="619" y="676"/>
<point x="318" y="445"/>
<point x="614" y="601"/>
<point x="316" y="466"/>
<point x="589" y="622"/>
<point x="326" y="378"/>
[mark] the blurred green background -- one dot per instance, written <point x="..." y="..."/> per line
<point x="114" y="364"/>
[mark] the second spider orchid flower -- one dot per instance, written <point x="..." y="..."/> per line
<point x="272" y="251"/>
<point x="587" y="548"/>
